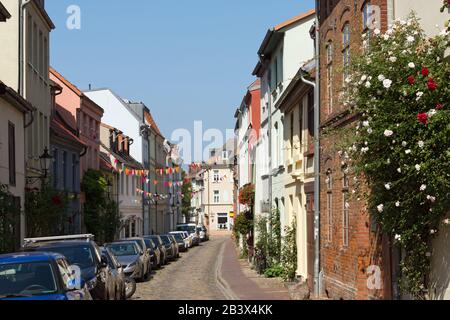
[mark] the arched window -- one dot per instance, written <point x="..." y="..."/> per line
<point x="346" y="50"/>
<point x="329" y="49"/>
<point x="329" y="184"/>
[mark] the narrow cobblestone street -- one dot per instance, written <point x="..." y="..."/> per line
<point x="191" y="277"/>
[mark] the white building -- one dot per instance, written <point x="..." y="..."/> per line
<point x="24" y="67"/>
<point x="283" y="51"/>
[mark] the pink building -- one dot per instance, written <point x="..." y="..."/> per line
<point x="84" y="116"/>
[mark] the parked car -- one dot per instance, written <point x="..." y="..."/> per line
<point x="170" y="247"/>
<point x="188" y="237"/>
<point x="129" y="255"/>
<point x="182" y="241"/>
<point x="80" y="251"/>
<point x="203" y="233"/>
<point x="146" y="255"/>
<point x="39" y="276"/>
<point x="155" y="253"/>
<point x="115" y="275"/>
<point x="175" y="243"/>
<point x="162" y="248"/>
<point x="192" y="229"/>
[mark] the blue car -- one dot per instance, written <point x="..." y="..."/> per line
<point x="39" y="276"/>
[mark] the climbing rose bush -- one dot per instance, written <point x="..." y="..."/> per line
<point x="399" y="89"/>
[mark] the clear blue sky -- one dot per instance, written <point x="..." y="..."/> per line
<point x="186" y="60"/>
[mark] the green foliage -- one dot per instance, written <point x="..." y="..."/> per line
<point x="243" y="224"/>
<point x="186" y="208"/>
<point x="101" y="215"/>
<point x="399" y="89"/>
<point x="289" y="253"/>
<point x="269" y="238"/>
<point x="7" y="212"/>
<point x="46" y="211"/>
<point x="276" y="271"/>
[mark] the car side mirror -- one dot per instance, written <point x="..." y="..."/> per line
<point x="104" y="262"/>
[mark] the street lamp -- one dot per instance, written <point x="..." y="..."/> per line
<point x="45" y="161"/>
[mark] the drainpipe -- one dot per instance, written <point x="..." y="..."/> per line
<point x="22" y="4"/>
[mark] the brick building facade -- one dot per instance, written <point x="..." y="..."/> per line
<point x="351" y="244"/>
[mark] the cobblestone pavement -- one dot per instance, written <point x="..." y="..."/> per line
<point x="191" y="277"/>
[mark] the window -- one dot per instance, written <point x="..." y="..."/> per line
<point x="74" y="173"/>
<point x="276" y="145"/>
<point x="133" y="185"/>
<point x="330" y="216"/>
<point x="41" y="53"/>
<point x="292" y="135"/>
<point x="128" y="184"/>
<point x="45" y="57"/>
<point x="311" y="113"/>
<point x="367" y="16"/>
<point x="273" y="75"/>
<point x="35" y="46"/>
<point x="216" y="176"/>
<point x="213" y="153"/>
<point x="225" y="155"/>
<point x="122" y="182"/>
<point x="64" y="168"/>
<point x="345" y="181"/>
<point x="300" y="122"/>
<point x="329" y="181"/>
<point x="345" y="219"/>
<point x="330" y="76"/>
<point x="55" y="168"/>
<point x="346" y="50"/>
<point x="12" y="153"/>
<point x="216" y="196"/>
<point x="29" y="40"/>
<point x="280" y="68"/>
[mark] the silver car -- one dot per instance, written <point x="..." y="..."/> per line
<point x="130" y="258"/>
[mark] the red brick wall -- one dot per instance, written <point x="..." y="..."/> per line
<point x="344" y="267"/>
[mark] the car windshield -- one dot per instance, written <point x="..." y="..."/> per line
<point x="27" y="279"/>
<point x="165" y="239"/>
<point x="178" y="237"/>
<point x="80" y="255"/>
<point x="123" y="249"/>
<point x="149" y="243"/>
<point x="156" y="240"/>
<point x="190" y="229"/>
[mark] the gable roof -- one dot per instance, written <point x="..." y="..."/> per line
<point x="295" y="19"/>
<point x="66" y="82"/>
<point x="149" y="118"/>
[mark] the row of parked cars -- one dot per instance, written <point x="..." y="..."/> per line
<point x="75" y="267"/>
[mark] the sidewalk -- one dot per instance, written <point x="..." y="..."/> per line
<point x="242" y="285"/>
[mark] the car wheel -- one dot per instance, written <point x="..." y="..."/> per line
<point x="130" y="287"/>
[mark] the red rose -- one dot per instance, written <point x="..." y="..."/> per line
<point x="423" y="118"/>
<point x="411" y="80"/>
<point x="56" y="200"/>
<point x="440" y="106"/>
<point x="425" y="72"/>
<point x="432" y="85"/>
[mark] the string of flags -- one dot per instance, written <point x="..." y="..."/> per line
<point x="156" y="195"/>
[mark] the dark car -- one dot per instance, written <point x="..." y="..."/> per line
<point x="155" y="253"/>
<point x="129" y="255"/>
<point x="162" y="248"/>
<point x="115" y="276"/>
<point x="145" y="253"/>
<point x="175" y="246"/>
<point x="80" y="251"/>
<point x="170" y="247"/>
<point x="180" y="242"/>
<point x="39" y="276"/>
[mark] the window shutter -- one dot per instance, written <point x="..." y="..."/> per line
<point x="12" y="153"/>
